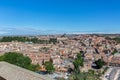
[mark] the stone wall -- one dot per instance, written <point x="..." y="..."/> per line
<point x="12" y="72"/>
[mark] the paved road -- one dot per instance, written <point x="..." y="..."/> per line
<point x="112" y="73"/>
<point x="117" y="75"/>
<point x="108" y="72"/>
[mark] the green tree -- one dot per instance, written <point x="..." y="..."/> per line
<point x="90" y="75"/>
<point x="115" y="51"/>
<point x="24" y="39"/>
<point x="76" y="65"/>
<point x="53" y="40"/>
<point x="117" y="39"/>
<point x="49" y="67"/>
<point x="31" y="67"/>
<point x="23" y="61"/>
<point x="99" y="63"/>
<point x="11" y="57"/>
<point x="19" y="60"/>
<point x="78" y="62"/>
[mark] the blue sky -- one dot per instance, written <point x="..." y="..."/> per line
<point x="59" y="16"/>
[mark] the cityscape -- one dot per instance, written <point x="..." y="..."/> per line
<point x="59" y="40"/>
<point x="68" y="56"/>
